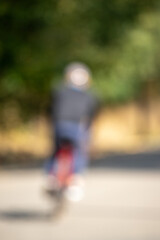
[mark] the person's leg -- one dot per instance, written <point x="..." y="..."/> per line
<point x="81" y="157"/>
<point x="51" y="163"/>
<point x="76" y="188"/>
<point x="79" y="137"/>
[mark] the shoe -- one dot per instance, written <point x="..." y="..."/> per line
<point x="51" y="184"/>
<point x="75" y="189"/>
<point x="74" y="193"/>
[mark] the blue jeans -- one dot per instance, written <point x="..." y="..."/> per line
<point x="79" y="136"/>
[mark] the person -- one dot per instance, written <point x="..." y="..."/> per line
<point x="73" y="110"/>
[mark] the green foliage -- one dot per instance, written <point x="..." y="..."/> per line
<point x="136" y="61"/>
<point x="118" y="39"/>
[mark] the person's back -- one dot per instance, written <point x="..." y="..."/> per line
<point x="73" y="105"/>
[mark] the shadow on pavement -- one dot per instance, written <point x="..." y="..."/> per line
<point x="138" y="161"/>
<point x="24" y="215"/>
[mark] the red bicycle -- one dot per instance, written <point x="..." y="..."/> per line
<point x="64" y="187"/>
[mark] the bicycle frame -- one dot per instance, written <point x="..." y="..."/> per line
<point x="64" y="164"/>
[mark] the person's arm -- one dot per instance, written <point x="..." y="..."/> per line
<point x="94" y="108"/>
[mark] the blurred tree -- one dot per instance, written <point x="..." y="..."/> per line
<point x="119" y="40"/>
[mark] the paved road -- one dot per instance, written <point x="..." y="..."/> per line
<point x="120" y="204"/>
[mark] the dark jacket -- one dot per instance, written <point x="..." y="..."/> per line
<point x="73" y="105"/>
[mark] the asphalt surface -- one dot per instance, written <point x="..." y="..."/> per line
<point x="122" y="202"/>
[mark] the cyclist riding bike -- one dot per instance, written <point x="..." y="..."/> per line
<point x="73" y="110"/>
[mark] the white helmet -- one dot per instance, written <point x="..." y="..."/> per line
<point x="78" y="75"/>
